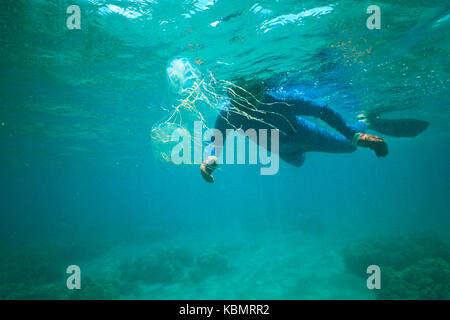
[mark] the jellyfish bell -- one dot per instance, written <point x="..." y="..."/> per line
<point x="193" y="97"/>
<point x="182" y="75"/>
<point x="184" y="80"/>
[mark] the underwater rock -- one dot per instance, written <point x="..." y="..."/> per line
<point x="97" y="289"/>
<point x="45" y="262"/>
<point x="22" y="291"/>
<point x="171" y="265"/>
<point x="396" y="252"/>
<point x="31" y="267"/>
<point x="165" y="266"/>
<point x="413" y="267"/>
<point x="150" y="270"/>
<point x="208" y="263"/>
<point x="38" y="271"/>
<point x="426" y="279"/>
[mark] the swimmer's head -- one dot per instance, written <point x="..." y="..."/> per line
<point x="182" y="75"/>
<point x="246" y="91"/>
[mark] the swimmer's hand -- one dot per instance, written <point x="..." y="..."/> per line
<point x="207" y="167"/>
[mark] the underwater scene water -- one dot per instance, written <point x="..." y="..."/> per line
<point x="84" y="182"/>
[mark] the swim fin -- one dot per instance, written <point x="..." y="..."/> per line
<point x="395" y="127"/>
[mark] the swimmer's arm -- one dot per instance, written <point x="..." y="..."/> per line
<point x="214" y="148"/>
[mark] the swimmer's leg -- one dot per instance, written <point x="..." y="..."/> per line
<point x="337" y="121"/>
<point x="354" y="132"/>
<point x="304" y="106"/>
<point x="315" y="138"/>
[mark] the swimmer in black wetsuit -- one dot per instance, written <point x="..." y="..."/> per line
<point x="284" y="108"/>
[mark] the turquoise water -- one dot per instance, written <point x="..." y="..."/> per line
<point x="81" y="183"/>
